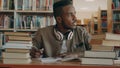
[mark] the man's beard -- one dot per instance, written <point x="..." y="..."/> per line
<point x="67" y="27"/>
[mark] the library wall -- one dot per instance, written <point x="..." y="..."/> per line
<point x="85" y="9"/>
<point x="84" y="14"/>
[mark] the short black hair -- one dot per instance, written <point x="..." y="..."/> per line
<point x="61" y="3"/>
<point x="57" y="6"/>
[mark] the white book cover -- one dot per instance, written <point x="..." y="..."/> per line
<point x="16" y="4"/>
<point x="111" y="36"/>
<point x="96" y="61"/>
<point x="20" y="42"/>
<point x="102" y="48"/>
<point x="19" y="46"/>
<point x="30" y="4"/>
<point x="41" y="5"/>
<point x="100" y="54"/>
<point x="111" y="42"/>
<point x="17" y="61"/>
<point x="15" y="55"/>
<point x="5" y="4"/>
<point x="23" y="7"/>
<point x="117" y="62"/>
<point x="14" y="50"/>
<point x="34" y="5"/>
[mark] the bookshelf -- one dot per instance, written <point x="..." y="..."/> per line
<point x="99" y="22"/>
<point x="102" y="21"/>
<point x="25" y="15"/>
<point x="94" y="24"/>
<point x="114" y="16"/>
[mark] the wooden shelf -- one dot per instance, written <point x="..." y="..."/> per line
<point x="29" y="11"/>
<point x="6" y="11"/>
<point x="27" y="30"/>
<point x="2" y="29"/>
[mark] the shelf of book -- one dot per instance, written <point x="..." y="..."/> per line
<point x="27" y="14"/>
<point x="102" y="21"/>
<point x="94" y="24"/>
<point x="114" y="16"/>
<point x="99" y="22"/>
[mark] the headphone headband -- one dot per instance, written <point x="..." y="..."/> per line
<point x="60" y="36"/>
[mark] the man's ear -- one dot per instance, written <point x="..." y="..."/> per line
<point x="59" y="20"/>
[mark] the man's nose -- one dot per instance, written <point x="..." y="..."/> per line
<point x="74" y="17"/>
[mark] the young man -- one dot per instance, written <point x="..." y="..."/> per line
<point x="64" y="38"/>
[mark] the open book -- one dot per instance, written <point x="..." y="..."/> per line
<point x="54" y="60"/>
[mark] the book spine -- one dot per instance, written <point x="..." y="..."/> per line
<point x="19" y="38"/>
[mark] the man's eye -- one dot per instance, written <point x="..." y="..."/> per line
<point x="70" y="14"/>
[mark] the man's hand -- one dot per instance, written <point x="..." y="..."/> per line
<point x="35" y="53"/>
<point x="65" y="55"/>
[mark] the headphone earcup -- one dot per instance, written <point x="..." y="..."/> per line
<point x="58" y="35"/>
<point x="70" y="35"/>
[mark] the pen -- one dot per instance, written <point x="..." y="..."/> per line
<point x="41" y="52"/>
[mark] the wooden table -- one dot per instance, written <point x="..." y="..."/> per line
<point x="37" y="64"/>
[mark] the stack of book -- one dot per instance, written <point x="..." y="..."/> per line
<point x="97" y="39"/>
<point x="113" y="40"/>
<point x="17" y="48"/>
<point x="99" y="55"/>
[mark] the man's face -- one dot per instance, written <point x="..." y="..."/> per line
<point x="68" y="17"/>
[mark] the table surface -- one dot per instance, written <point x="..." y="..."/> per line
<point x="69" y="64"/>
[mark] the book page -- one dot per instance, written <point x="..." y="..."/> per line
<point x="58" y="59"/>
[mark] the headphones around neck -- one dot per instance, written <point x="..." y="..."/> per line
<point x="60" y="36"/>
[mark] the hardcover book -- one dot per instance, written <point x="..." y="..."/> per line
<point x="17" y="33"/>
<point x="102" y="48"/>
<point x="100" y="54"/>
<point x="111" y="43"/>
<point x="14" y="55"/>
<point x="111" y="36"/>
<point x="15" y="50"/>
<point x="97" y="61"/>
<point x="16" y="61"/>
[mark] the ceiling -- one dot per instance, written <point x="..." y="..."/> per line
<point x="83" y="5"/>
